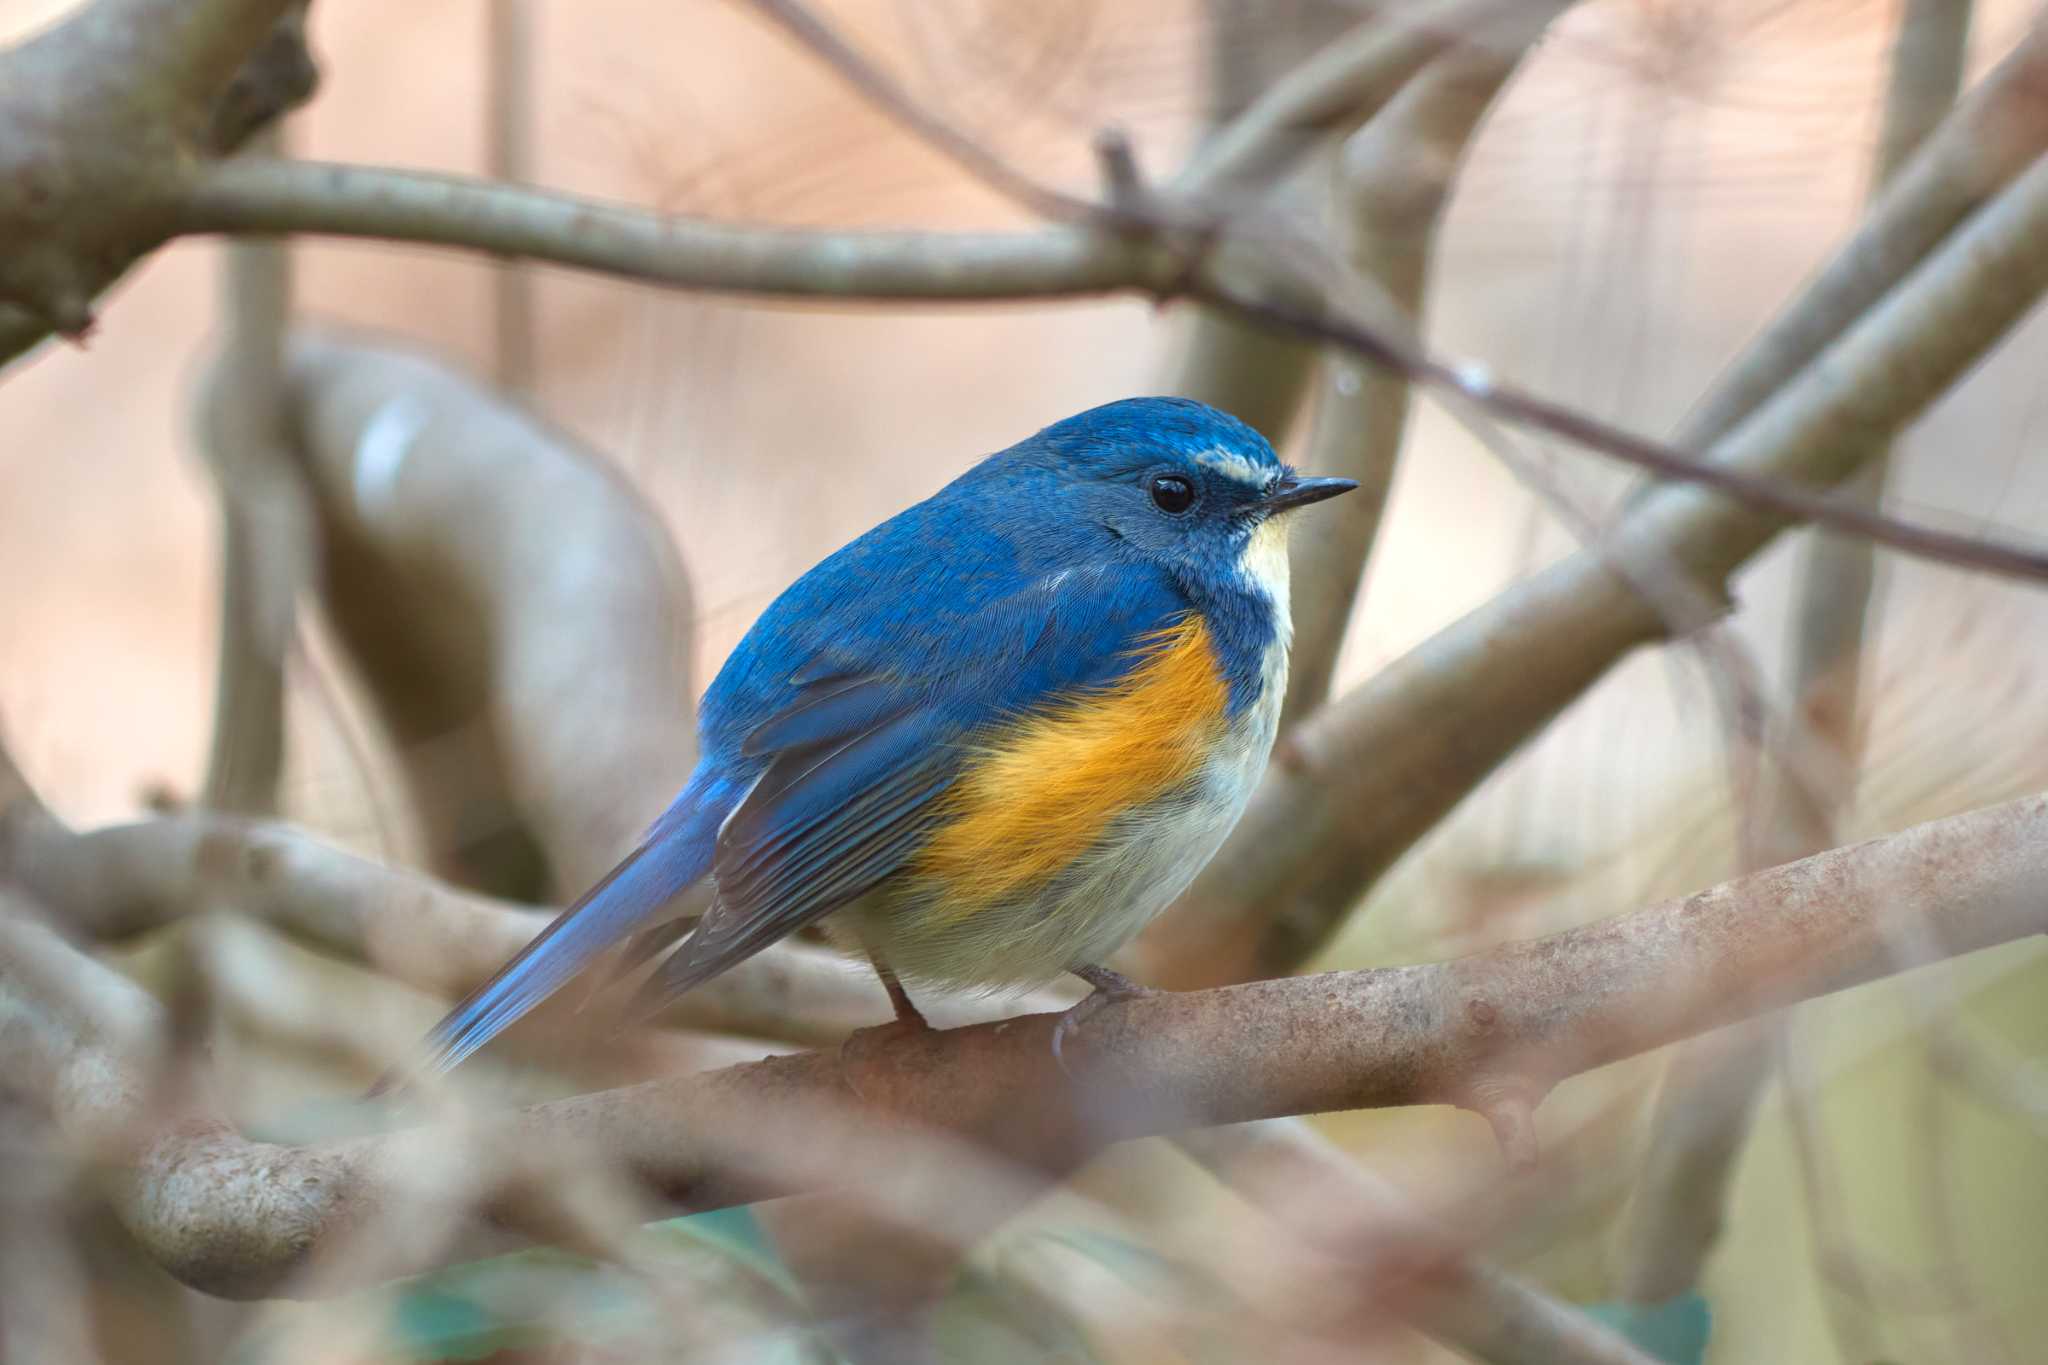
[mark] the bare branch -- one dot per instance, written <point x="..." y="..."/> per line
<point x="509" y="160"/>
<point x="1994" y="134"/>
<point x="1394" y="177"/>
<point x="545" y="634"/>
<point x="106" y="114"/>
<point x="1340" y="86"/>
<point x="612" y="239"/>
<point x="1363" y="778"/>
<point x="266" y="526"/>
<point x="300" y="197"/>
<point x="1709" y="1098"/>
<point x="234" y="1216"/>
<point x="1256" y="373"/>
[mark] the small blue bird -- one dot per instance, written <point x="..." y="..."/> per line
<point x="996" y="734"/>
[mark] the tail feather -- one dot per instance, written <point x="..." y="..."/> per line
<point x="675" y="856"/>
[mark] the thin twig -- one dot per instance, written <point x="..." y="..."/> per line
<point x="508" y="158"/>
<point x="266" y="525"/>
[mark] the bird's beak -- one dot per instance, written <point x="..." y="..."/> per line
<point x="1296" y="491"/>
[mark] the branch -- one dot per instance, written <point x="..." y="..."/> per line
<point x="1342" y="85"/>
<point x="266" y="527"/>
<point x="1331" y="85"/>
<point x="1394" y="178"/>
<point x="106" y="115"/>
<point x="508" y="138"/>
<point x="1253" y="372"/>
<point x="1710" y="1092"/>
<point x="613" y="239"/>
<point x="546" y="636"/>
<point x="1498" y="1028"/>
<point x="1369" y="774"/>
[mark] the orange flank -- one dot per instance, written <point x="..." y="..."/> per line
<point x="1038" y="794"/>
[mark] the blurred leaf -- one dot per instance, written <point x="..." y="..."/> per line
<point x="1675" y="1330"/>
<point x="1142" y="1267"/>
<point x="532" y="1298"/>
<point x="993" y="1319"/>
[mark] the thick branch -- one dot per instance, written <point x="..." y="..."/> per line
<point x="106" y="115"/>
<point x="546" y="619"/>
<point x="1496" y="1028"/>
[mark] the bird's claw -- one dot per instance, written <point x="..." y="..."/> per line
<point x="1110" y="988"/>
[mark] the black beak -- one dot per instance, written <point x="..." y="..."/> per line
<point x="1296" y="491"/>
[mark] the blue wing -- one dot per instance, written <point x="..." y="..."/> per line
<point x="833" y="727"/>
<point x="853" y="765"/>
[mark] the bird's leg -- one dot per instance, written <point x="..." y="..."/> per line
<point x="907" y="1012"/>
<point x="1110" y="987"/>
<point x="853" y="1053"/>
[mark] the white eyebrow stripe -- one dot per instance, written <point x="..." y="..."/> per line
<point x="1232" y="465"/>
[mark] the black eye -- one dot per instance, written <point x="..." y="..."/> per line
<point x="1172" y="493"/>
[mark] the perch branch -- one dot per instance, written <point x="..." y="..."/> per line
<point x="235" y="1217"/>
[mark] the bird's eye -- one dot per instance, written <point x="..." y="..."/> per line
<point x="1171" y="493"/>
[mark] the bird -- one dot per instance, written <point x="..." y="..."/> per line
<point x="983" y="743"/>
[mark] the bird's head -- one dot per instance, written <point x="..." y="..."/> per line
<point x="1177" y="482"/>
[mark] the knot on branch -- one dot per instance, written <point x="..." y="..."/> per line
<point x="279" y="76"/>
<point x="110" y="116"/>
<point x="1508" y="1104"/>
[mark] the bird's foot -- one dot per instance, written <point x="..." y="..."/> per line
<point x="1110" y="988"/>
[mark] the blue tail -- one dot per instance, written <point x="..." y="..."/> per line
<point x="676" y="853"/>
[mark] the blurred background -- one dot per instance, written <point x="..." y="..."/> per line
<point x="1657" y="179"/>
